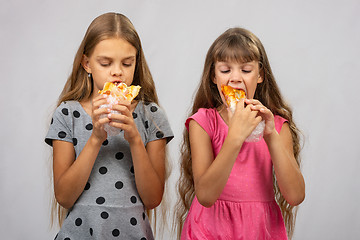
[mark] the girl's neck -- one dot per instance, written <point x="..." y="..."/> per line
<point x="87" y="105"/>
<point x="222" y="110"/>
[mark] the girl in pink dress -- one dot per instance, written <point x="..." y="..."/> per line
<point x="231" y="188"/>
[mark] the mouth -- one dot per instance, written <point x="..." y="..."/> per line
<point x="239" y="89"/>
<point x="117" y="83"/>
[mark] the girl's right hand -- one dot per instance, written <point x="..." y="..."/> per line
<point x="98" y="123"/>
<point x="242" y="122"/>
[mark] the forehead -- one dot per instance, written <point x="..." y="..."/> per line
<point x="114" y="47"/>
<point x="236" y="49"/>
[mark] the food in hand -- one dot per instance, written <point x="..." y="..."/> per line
<point x="115" y="93"/>
<point x="120" y="91"/>
<point x="232" y="96"/>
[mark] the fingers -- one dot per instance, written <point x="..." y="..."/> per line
<point x="240" y="105"/>
<point x="122" y="116"/>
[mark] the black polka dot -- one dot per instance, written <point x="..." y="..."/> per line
<point x="78" y="221"/>
<point x="134" y="115"/>
<point x="87" y="186"/>
<point x="119" y="155"/>
<point x="132" y="169"/>
<point x="159" y="134"/>
<point x="62" y="134"/>
<point x="91" y="231"/>
<point x="143" y="216"/>
<point x="144" y="238"/>
<point x="133" y="221"/>
<point x="52" y="121"/>
<point x="65" y="111"/>
<point x="146" y="103"/>
<point x="106" y="142"/>
<point x="119" y="185"/>
<point x="103" y="170"/>
<point x="89" y="127"/>
<point x="100" y="200"/>
<point x="153" y="109"/>
<point x="76" y="114"/>
<point x="74" y="141"/>
<point x="146" y="124"/>
<point x="133" y="199"/>
<point x="116" y="232"/>
<point x="104" y="215"/>
<point x="66" y="238"/>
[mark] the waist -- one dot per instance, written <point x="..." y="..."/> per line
<point x="246" y="192"/>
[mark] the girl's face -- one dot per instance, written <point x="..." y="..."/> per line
<point x="113" y="60"/>
<point x="243" y="76"/>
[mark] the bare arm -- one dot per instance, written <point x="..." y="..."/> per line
<point x="149" y="169"/>
<point x="70" y="175"/>
<point x="211" y="175"/>
<point x="149" y="161"/>
<point x="287" y="171"/>
<point x="280" y="145"/>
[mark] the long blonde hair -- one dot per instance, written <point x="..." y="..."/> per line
<point x="80" y="87"/>
<point x="239" y="45"/>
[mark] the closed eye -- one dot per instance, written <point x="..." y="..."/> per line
<point x="127" y="64"/>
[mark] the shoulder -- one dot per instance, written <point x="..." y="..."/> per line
<point x="61" y="126"/>
<point x="66" y="107"/>
<point x="154" y="119"/>
<point x="202" y="116"/>
<point x="279" y="122"/>
<point x="150" y="110"/>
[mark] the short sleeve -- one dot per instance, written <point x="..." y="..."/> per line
<point x="157" y="123"/>
<point x="60" y="126"/>
<point x="204" y="117"/>
<point x="279" y="122"/>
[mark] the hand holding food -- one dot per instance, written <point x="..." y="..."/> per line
<point x="115" y="93"/>
<point x="232" y="97"/>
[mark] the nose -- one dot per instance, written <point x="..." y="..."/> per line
<point x="235" y="76"/>
<point x="116" y="70"/>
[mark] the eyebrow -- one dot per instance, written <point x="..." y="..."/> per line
<point x="241" y="64"/>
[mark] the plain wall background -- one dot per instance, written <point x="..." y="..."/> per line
<point x="313" y="48"/>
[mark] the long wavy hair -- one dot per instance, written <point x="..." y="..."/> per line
<point x="235" y="44"/>
<point x="80" y="87"/>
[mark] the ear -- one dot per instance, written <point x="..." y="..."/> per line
<point x="214" y="80"/>
<point x="85" y="63"/>
<point x="260" y="78"/>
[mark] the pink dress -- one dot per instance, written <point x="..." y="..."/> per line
<point x="246" y="209"/>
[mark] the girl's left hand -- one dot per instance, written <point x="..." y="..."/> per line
<point x="265" y="114"/>
<point x="124" y="120"/>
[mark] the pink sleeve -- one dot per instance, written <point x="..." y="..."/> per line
<point x="203" y="117"/>
<point x="279" y="122"/>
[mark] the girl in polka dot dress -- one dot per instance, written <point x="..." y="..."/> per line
<point x="107" y="183"/>
<point x="226" y="184"/>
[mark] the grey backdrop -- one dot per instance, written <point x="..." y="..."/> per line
<point x="313" y="47"/>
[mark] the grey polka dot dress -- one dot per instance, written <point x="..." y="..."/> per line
<point x="110" y="206"/>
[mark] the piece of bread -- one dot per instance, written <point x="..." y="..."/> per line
<point x="120" y="91"/>
<point x="232" y="96"/>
